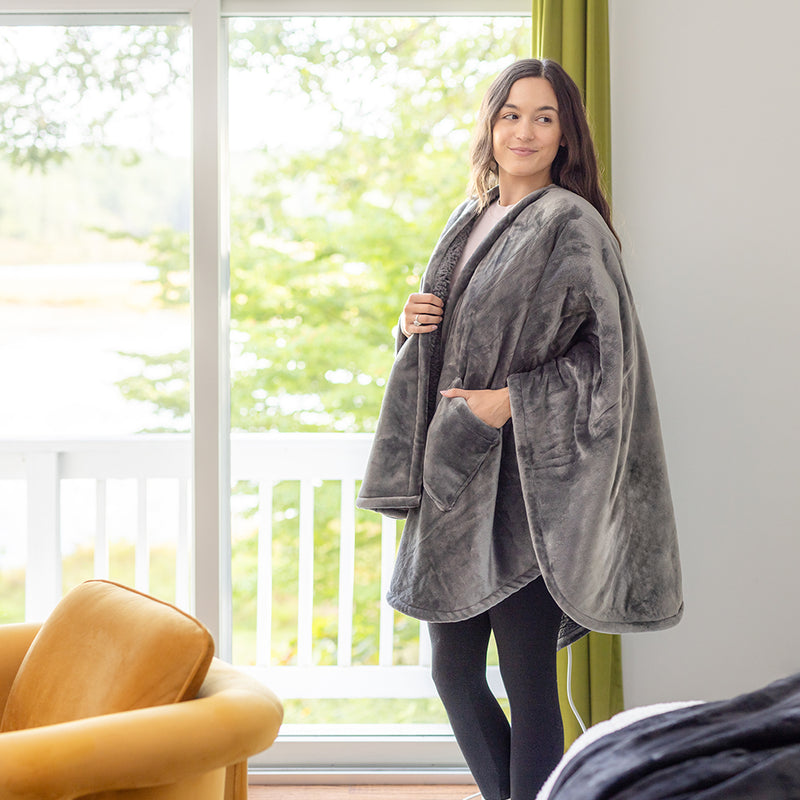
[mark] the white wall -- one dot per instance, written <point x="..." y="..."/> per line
<point x="706" y="184"/>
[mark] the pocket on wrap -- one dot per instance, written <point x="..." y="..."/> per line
<point x="458" y="443"/>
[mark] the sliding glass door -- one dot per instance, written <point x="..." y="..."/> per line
<point x="213" y="215"/>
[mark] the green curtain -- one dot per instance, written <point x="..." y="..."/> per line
<point x="575" y="33"/>
<point x="596" y="682"/>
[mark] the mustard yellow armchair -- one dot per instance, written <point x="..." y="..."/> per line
<point x="118" y="695"/>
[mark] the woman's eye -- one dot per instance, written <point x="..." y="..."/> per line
<point x="545" y="120"/>
<point x="510" y="115"/>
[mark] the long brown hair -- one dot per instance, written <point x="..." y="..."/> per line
<point x="575" y="166"/>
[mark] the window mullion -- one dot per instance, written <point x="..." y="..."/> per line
<point x="210" y="324"/>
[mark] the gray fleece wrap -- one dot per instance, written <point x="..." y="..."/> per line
<point x="543" y="306"/>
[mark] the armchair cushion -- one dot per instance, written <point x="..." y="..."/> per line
<point x="106" y="649"/>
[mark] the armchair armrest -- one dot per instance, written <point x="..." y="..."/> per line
<point x="14" y="643"/>
<point x="232" y="718"/>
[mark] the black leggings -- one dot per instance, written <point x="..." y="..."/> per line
<point x="505" y="760"/>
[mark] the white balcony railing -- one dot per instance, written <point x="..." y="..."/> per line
<point x="41" y="469"/>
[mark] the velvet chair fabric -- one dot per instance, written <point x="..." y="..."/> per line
<point x="148" y="745"/>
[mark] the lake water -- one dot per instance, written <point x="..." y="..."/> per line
<point x="62" y="329"/>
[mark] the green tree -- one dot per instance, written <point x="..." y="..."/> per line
<point x="329" y="240"/>
<point x="61" y="85"/>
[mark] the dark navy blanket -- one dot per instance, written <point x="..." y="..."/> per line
<point x="745" y="748"/>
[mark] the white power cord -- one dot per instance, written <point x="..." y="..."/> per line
<point x="569" y="689"/>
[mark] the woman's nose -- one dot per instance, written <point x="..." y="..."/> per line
<point x="525" y="130"/>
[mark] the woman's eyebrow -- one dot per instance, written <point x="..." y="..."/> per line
<point x="541" y="108"/>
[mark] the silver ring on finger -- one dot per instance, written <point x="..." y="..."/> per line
<point x="416" y="323"/>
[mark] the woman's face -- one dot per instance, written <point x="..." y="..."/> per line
<point x="526" y="136"/>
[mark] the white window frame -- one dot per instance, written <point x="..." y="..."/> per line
<point x="362" y="754"/>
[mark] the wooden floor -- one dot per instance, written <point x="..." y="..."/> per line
<point x="361" y="792"/>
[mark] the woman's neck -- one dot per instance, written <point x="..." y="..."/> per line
<point x="512" y="191"/>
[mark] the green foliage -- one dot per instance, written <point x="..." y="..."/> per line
<point x="12" y="596"/>
<point x="332" y="233"/>
<point x="169" y="255"/>
<point x="333" y="239"/>
<point x="285" y="558"/>
<point x="43" y="108"/>
<point x="330" y="239"/>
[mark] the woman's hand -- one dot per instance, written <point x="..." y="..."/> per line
<point x="492" y="406"/>
<point x="422" y="314"/>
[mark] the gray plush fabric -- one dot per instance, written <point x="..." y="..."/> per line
<point x="544" y="307"/>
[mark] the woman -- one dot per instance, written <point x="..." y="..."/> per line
<point x="519" y="435"/>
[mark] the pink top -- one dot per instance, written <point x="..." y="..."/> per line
<point x="487" y="220"/>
